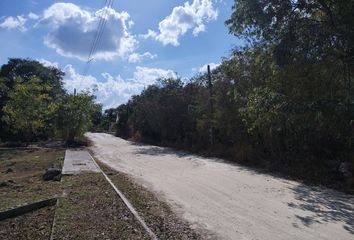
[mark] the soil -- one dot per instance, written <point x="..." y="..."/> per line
<point x="90" y="209"/>
<point x="23" y="183"/>
<point x="33" y="225"/>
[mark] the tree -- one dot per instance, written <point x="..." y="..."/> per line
<point x="301" y="30"/>
<point x="26" y="69"/>
<point x="30" y="109"/>
<point x="75" y="114"/>
<point x="123" y="129"/>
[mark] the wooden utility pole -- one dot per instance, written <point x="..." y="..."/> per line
<point x="211" y="108"/>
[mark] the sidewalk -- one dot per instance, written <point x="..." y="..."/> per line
<point x="78" y="161"/>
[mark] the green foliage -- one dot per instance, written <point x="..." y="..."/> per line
<point x="26" y="69"/>
<point x="30" y="109"/>
<point x="109" y="117"/>
<point x="124" y="112"/>
<point x="74" y="116"/>
<point x="297" y="30"/>
<point x="161" y="113"/>
<point x="35" y="106"/>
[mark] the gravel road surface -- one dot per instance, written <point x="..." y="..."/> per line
<point x="227" y="199"/>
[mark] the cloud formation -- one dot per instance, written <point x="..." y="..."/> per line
<point x="48" y="63"/>
<point x="182" y="19"/>
<point x="113" y="91"/>
<point x="136" y="57"/>
<point x="33" y="16"/>
<point x="73" y="29"/>
<point x="148" y="76"/>
<point x="14" y="22"/>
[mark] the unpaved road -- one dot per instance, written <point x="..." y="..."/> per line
<point x="229" y="200"/>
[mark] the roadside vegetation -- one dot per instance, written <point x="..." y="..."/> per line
<point x="34" y="105"/>
<point x="283" y="102"/>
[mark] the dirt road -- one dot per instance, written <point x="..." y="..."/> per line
<point x="229" y="200"/>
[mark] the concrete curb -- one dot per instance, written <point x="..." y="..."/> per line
<point x="27" y="208"/>
<point x="127" y="203"/>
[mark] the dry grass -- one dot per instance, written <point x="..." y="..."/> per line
<point x="90" y="209"/>
<point x="35" y="225"/>
<point x="21" y="176"/>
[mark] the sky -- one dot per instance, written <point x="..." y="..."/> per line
<point x="141" y="41"/>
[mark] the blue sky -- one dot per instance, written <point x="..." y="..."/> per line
<point x="142" y="40"/>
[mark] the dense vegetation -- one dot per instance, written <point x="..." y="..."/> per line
<point x="34" y="105"/>
<point x="284" y="101"/>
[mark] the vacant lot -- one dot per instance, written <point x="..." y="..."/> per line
<point x="21" y="183"/>
<point x="88" y="207"/>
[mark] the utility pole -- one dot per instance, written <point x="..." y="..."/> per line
<point x="74" y="91"/>
<point x="211" y="108"/>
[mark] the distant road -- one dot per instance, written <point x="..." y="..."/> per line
<point x="229" y="200"/>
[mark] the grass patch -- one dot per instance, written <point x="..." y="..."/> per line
<point x="90" y="209"/>
<point x="21" y="176"/>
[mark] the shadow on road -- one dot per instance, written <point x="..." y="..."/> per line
<point x="145" y="149"/>
<point x="322" y="205"/>
<point x="157" y="151"/>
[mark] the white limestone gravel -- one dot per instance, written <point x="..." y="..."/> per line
<point x="227" y="199"/>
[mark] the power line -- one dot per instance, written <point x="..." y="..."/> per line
<point x="105" y="18"/>
<point x="107" y="5"/>
<point x="100" y="30"/>
<point x="97" y="31"/>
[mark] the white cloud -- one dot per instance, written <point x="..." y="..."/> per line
<point x="113" y="91"/>
<point x="47" y="63"/>
<point x="33" y="16"/>
<point x="136" y="57"/>
<point x="73" y="29"/>
<point x="148" y="76"/>
<point x="149" y="34"/>
<point x="204" y="68"/>
<point x="14" y="22"/>
<point x="198" y="29"/>
<point x="182" y="19"/>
